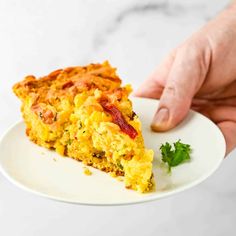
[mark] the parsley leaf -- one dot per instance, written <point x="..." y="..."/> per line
<point x="176" y="155"/>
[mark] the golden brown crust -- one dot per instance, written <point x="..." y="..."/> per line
<point x="70" y="80"/>
<point x="68" y="83"/>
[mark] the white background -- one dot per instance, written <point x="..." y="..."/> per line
<point x="39" y="36"/>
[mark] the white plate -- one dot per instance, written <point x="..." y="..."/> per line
<point x="45" y="173"/>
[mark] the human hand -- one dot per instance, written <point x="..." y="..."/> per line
<point x="201" y="74"/>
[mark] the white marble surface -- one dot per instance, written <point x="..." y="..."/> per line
<point x="39" y="36"/>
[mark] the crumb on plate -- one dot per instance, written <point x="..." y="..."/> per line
<point x="87" y="171"/>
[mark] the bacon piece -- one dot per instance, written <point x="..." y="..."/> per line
<point x="119" y="119"/>
<point x="82" y="84"/>
<point x="68" y="84"/>
<point x="55" y="73"/>
<point x="47" y="116"/>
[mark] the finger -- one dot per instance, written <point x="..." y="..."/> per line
<point x="196" y="108"/>
<point x="225" y="118"/>
<point x="184" y="80"/>
<point x="220" y="113"/>
<point x="199" y="102"/>
<point x="230" y="101"/>
<point x="225" y="92"/>
<point x="154" y="85"/>
<point x="228" y="129"/>
<point x="149" y="89"/>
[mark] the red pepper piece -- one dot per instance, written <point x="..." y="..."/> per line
<point x="68" y="84"/>
<point x="119" y="119"/>
<point x="47" y="116"/>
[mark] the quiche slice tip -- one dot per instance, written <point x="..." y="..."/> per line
<point x="85" y="113"/>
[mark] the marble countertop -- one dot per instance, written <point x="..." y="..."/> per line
<point x="134" y="35"/>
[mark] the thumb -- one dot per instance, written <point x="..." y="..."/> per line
<point x="184" y="80"/>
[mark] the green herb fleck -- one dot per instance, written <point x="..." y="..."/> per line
<point x="80" y="125"/>
<point x="69" y="142"/>
<point x="55" y="117"/>
<point x="40" y="114"/>
<point x="119" y="165"/>
<point x="176" y="155"/>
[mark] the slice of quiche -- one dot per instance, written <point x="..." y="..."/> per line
<point x="84" y="113"/>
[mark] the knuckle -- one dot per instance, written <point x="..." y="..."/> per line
<point x="192" y="52"/>
<point x="195" y="56"/>
<point x="171" y="89"/>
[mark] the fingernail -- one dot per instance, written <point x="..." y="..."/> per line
<point x="160" y="119"/>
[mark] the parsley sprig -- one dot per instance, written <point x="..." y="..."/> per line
<point x="176" y="155"/>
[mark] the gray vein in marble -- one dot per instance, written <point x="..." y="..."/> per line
<point x="161" y="7"/>
<point x="164" y="8"/>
